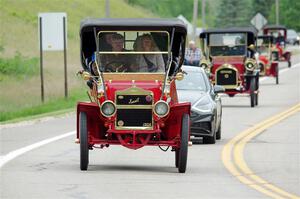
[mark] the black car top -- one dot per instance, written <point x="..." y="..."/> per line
<point x="251" y="32"/>
<point x="274" y="27"/>
<point x="133" y="24"/>
<point x="90" y="25"/>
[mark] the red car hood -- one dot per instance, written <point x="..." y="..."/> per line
<point x="228" y="60"/>
<point x="154" y="86"/>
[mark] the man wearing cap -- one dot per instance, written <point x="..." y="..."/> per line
<point x="192" y="55"/>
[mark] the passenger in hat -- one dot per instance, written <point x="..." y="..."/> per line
<point x="192" y="55"/>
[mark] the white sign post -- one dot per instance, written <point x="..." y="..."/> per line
<point x="259" y="21"/>
<point x="52" y="37"/>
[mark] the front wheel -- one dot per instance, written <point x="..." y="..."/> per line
<point x="277" y="75"/>
<point x="84" y="147"/>
<point x="183" y="151"/>
<point x="219" y="132"/>
<point x="289" y="63"/>
<point x="253" y="96"/>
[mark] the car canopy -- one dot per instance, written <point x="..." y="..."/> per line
<point x="268" y="28"/>
<point x="250" y="31"/>
<point x="87" y="26"/>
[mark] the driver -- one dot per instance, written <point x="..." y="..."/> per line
<point x="116" y="62"/>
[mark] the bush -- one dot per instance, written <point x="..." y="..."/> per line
<point x="19" y="65"/>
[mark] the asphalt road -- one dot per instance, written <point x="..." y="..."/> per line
<point x="52" y="170"/>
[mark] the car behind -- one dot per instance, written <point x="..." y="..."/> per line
<point x="292" y="37"/>
<point x="206" y="111"/>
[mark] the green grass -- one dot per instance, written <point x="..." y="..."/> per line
<point x="19" y="65"/>
<point x="53" y="105"/>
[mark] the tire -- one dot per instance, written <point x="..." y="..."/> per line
<point x="176" y="158"/>
<point x="277" y="75"/>
<point x="219" y="132"/>
<point x="84" y="147"/>
<point x="289" y="64"/>
<point x="252" y="92"/>
<point x="183" y="151"/>
<point x="256" y="99"/>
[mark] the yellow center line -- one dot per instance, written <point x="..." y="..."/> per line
<point x="233" y="158"/>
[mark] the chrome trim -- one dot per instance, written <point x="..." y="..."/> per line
<point x="134" y="91"/>
<point x="108" y="101"/>
<point x="161" y="116"/>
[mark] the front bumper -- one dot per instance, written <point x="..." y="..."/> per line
<point x="201" y="125"/>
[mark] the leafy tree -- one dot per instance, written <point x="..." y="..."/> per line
<point x="288" y="14"/>
<point x="234" y="13"/>
<point x="167" y="8"/>
<point x="263" y="7"/>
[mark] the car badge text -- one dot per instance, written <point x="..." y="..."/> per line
<point x="134" y="101"/>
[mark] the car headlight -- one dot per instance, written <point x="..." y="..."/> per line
<point x="161" y="108"/>
<point x="250" y="66"/>
<point x="108" y="108"/>
<point x="203" y="65"/>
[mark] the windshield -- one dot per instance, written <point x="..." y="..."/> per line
<point x="263" y="45"/>
<point x="133" y="51"/>
<point x="227" y="44"/>
<point x="192" y="81"/>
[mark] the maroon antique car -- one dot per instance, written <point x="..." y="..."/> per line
<point x="267" y="65"/>
<point x="279" y="51"/>
<point x="130" y="66"/>
<point x="230" y="59"/>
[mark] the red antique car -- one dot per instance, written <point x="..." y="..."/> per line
<point x="279" y="51"/>
<point x="267" y="66"/>
<point x="130" y="66"/>
<point x="230" y="59"/>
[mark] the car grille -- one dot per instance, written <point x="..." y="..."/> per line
<point x="134" y="118"/>
<point x="134" y="111"/>
<point x="201" y="127"/>
<point x="226" y="76"/>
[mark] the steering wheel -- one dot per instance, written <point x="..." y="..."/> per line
<point x="111" y="66"/>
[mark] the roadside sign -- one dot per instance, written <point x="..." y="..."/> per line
<point x="258" y="21"/>
<point x="52" y="30"/>
<point x="53" y="36"/>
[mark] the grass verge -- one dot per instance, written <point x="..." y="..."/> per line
<point x="52" y="107"/>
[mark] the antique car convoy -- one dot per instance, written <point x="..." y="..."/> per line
<point x="267" y="64"/>
<point x="279" y="51"/>
<point x="230" y="60"/>
<point x="133" y="69"/>
<point x="131" y="66"/>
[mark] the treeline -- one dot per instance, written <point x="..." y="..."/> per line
<point x="224" y="13"/>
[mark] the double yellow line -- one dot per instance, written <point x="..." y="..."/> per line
<point x="233" y="159"/>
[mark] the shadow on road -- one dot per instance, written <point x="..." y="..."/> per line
<point x="132" y="168"/>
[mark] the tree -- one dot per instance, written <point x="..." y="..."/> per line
<point x="288" y="14"/>
<point x="263" y="7"/>
<point x="234" y="13"/>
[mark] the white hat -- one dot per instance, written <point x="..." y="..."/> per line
<point x="191" y="42"/>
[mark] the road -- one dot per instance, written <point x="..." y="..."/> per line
<point x="52" y="170"/>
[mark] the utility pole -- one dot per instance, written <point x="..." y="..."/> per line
<point x="277" y="11"/>
<point x="195" y="15"/>
<point x="107" y="9"/>
<point x="203" y="12"/>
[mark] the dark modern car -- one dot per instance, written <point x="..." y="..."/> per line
<point x="292" y="37"/>
<point x="206" y="110"/>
